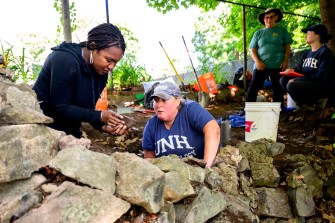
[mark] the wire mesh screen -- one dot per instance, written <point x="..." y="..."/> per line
<point x="295" y="58"/>
<point x="225" y="73"/>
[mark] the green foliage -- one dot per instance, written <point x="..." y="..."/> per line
<point x="219" y="30"/>
<point x="27" y="65"/>
<point x="220" y="75"/>
<point x="168" y="5"/>
<point x="211" y="39"/>
<point x="129" y="74"/>
<point x="24" y="69"/>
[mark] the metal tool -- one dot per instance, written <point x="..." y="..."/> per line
<point x="178" y="76"/>
<point x="203" y="97"/>
<point x="195" y="72"/>
<point x="126" y="110"/>
<point x="132" y="119"/>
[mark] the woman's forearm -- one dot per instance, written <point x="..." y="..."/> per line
<point x="212" y="140"/>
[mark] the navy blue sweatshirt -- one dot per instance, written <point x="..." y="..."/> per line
<point x="68" y="89"/>
<point x="317" y="66"/>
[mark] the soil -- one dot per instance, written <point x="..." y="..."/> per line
<point x="298" y="130"/>
<point x="311" y="133"/>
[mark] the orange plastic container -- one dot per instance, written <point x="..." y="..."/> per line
<point x="207" y="83"/>
<point x="102" y="103"/>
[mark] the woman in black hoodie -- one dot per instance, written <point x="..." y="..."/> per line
<point x="73" y="77"/>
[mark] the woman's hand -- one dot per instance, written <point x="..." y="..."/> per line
<point x="111" y="118"/>
<point x="287" y="71"/>
<point x="115" y="130"/>
<point x="260" y="65"/>
<point x="284" y="65"/>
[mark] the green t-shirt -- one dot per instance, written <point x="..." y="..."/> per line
<point x="270" y="43"/>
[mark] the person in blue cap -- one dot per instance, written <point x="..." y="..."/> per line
<point x="318" y="67"/>
<point x="180" y="127"/>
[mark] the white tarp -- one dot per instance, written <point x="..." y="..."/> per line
<point x="147" y="85"/>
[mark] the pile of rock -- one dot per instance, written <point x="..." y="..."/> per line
<point x="242" y="186"/>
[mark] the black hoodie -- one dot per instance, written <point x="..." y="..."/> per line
<point x="68" y="89"/>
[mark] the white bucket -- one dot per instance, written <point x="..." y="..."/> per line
<point x="261" y="120"/>
<point x="290" y="102"/>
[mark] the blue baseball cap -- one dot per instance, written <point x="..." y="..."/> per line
<point x="166" y="90"/>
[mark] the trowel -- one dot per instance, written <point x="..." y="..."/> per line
<point x="126" y="110"/>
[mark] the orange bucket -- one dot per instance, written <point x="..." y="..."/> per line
<point x="207" y="83"/>
<point x="102" y="103"/>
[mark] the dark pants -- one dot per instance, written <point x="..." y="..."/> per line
<point x="257" y="82"/>
<point x="306" y="92"/>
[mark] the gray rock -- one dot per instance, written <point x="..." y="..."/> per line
<point x="273" y="202"/>
<point x="139" y="182"/>
<point x="25" y="149"/>
<point x="176" y="187"/>
<point x="230" y="178"/>
<point x="275" y="148"/>
<point x="20" y="106"/>
<point x="95" y="169"/>
<point x="72" y="203"/>
<point x="70" y="140"/>
<point x="172" y="163"/>
<point x="205" y="206"/>
<point x="302" y="201"/>
<point x="19" y="196"/>
<point x="238" y="210"/>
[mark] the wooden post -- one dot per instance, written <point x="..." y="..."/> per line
<point x="245" y="59"/>
<point x="66" y="20"/>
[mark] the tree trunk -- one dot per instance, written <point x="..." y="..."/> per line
<point x="66" y="20"/>
<point x="327" y="9"/>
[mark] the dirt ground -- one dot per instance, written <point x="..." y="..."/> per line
<point x="303" y="132"/>
<point x="300" y="131"/>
